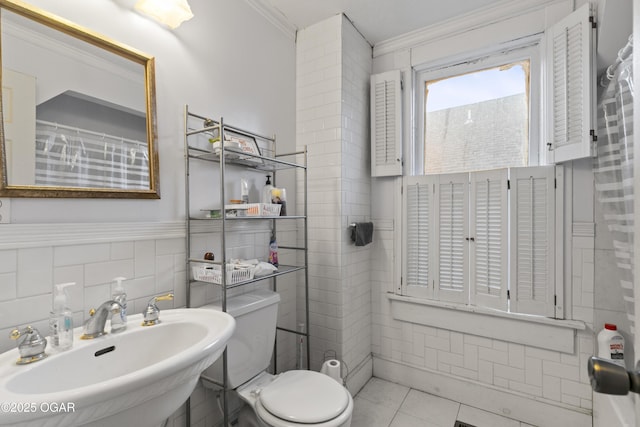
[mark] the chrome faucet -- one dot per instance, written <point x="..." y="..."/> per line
<point x="152" y="312"/>
<point x="94" y="326"/>
<point x="31" y="346"/>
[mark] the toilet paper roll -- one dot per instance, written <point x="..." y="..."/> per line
<point x="332" y="368"/>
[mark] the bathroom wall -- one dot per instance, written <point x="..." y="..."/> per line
<point x="535" y="385"/>
<point x="528" y="383"/>
<point x="310" y="94"/>
<point x="91" y="241"/>
<point x="197" y="64"/>
<point x="356" y="181"/>
<point x="333" y="67"/>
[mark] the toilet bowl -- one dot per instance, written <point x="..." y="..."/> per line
<point x="291" y="399"/>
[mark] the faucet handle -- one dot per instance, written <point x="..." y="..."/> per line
<point x="16" y="333"/>
<point x="152" y="312"/>
<point x="114" y="310"/>
<point x="32" y="345"/>
<point x="166" y="297"/>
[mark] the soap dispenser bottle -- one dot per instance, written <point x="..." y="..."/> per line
<point x="266" y="191"/>
<point x="119" y="322"/>
<point x="61" y="320"/>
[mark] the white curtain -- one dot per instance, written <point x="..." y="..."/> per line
<point x="613" y="167"/>
<point x="72" y="157"/>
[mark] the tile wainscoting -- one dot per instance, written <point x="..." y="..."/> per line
<point x="34" y="257"/>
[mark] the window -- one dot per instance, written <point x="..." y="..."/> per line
<point x="568" y="99"/>
<point x="476" y="114"/>
<point x="479" y="214"/>
<point x="482" y="220"/>
<point x="477" y="120"/>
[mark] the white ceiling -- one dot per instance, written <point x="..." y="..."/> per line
<point x="377" y="20"/>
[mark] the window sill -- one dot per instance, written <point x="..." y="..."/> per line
<point x="536" y="331"/>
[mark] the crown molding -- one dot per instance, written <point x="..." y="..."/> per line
<point x="496" y="12"/>
<point x="274" y="16"/>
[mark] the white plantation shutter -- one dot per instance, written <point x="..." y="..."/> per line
<point x="532" y="243"/>
<point x="486" y="238"/>
<point x="488" y="250"/>
<point x="386" y="124"/>
<point x="418" y="231"/>
<point x="570" y="87"/>
<point x="452" y="226"/>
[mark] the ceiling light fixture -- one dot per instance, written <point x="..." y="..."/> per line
<point x="171" y="13"/>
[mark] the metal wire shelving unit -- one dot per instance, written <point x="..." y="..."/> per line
<point x="198" y="127"/>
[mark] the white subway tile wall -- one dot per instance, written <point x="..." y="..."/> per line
<point x="522" y="369"/>
<point x="27" y="277"/>
<point x="356" y="182"/>
<point x="332" y="109"/>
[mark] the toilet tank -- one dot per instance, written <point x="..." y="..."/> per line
<point x="250" y="348"/>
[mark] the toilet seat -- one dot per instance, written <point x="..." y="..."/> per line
<point x="302" y="398"/>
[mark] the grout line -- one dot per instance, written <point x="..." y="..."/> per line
<point x="394" y="417"/>
<point x="401" y="403"/>
<point x="409" y="389"/>
<point x="400" y="406"/>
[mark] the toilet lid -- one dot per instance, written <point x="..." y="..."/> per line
<point x="304" y="397"/>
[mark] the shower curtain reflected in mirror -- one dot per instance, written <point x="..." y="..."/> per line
<point x="78" y="158"/>
<point x="613" y="167"/>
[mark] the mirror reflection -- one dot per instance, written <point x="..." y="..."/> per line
<point x="78" y="111"/>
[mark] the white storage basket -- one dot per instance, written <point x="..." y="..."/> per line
<point x="212" y="273"/>
<point x="255" y="209"/>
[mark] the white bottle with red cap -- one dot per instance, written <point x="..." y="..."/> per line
<point x="611" y="344"/>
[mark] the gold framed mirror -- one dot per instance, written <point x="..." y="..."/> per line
<point x="78" y="111"/>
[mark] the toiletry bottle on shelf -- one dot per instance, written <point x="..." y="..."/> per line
<point x="266" y="191"/>
<point x="279" y="197"/>
<point x="119" y="322"/>
<point x="244" y="190"/>
<point x="273" y="249"/>
<point x="61" y="320"/>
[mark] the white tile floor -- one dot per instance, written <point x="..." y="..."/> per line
<point x="384" y="404"/>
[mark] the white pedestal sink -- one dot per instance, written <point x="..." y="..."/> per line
<point x="137" y="377"/>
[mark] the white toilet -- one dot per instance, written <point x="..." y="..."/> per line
<point x="290" y="399"/>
